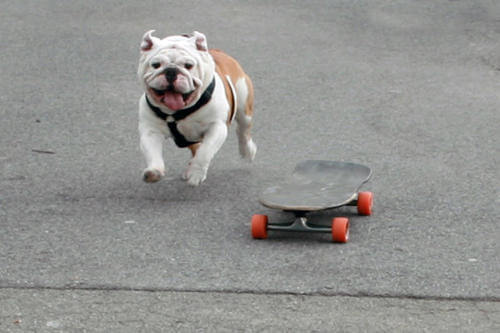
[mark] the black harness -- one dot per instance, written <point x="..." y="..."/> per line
<point x="172" y="119"/>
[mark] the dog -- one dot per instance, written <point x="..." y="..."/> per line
<point x="191" y="94"/>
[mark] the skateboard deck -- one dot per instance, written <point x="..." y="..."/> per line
<point x="317" y="185"/>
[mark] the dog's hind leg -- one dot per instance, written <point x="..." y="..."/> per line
<point x="244" y="115"/>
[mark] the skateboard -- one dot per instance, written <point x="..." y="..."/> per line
<point x="316" y="186"/>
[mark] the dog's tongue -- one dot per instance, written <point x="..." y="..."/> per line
<point x="173" y="101"/>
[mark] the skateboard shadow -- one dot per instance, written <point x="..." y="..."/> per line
<point x="320" y="218"/>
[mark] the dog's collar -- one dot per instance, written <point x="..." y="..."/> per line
<point x="183" y="113"/>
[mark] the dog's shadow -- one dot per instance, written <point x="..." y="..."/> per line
<point x="220" y="184"/>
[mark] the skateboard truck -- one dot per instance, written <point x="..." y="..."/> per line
<point x="311" y="189"/>
<point x="339" y="228"/>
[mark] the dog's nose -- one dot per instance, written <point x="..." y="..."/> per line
<point x="171" y="73"/>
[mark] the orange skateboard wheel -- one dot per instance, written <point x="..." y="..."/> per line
<point x="365" y="203"/>
<point x="259" y="226"/>
<point x="340" y="229"/>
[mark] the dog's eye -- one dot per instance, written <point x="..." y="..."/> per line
<point x="155" y="65"/>
<point x="188" y="66"/>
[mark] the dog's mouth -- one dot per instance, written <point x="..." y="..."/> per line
<point x="161" y="92"/>
<point x="173" y="99"/>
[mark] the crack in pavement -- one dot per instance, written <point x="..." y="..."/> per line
<point x="257" y="292"/>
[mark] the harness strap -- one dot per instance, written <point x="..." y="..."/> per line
<point x="172" y="119"/>
<point x="234" y="99"/>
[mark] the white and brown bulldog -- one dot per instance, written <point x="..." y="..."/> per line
<point x="191" y="95"/>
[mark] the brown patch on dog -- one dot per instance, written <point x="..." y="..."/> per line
<point x="226" y="65"/>
<point x="194" y="148"/>
<point x="249" y="102"/>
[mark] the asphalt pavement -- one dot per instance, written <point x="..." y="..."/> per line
<point x="411" y="89"/>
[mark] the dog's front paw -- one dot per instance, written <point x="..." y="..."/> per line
<point x="152" y="175"/>
<point x="195" y="174"/>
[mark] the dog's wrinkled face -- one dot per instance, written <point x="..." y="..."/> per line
<point x="175" y="70"/>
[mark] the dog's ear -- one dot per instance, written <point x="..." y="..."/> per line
<point x="200" y="41"/>
<point x="148" y="41"/>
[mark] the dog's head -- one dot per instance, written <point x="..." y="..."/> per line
<point x="175" y="70"/>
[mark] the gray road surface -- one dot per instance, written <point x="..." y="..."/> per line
<point x="410" y="88"/>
